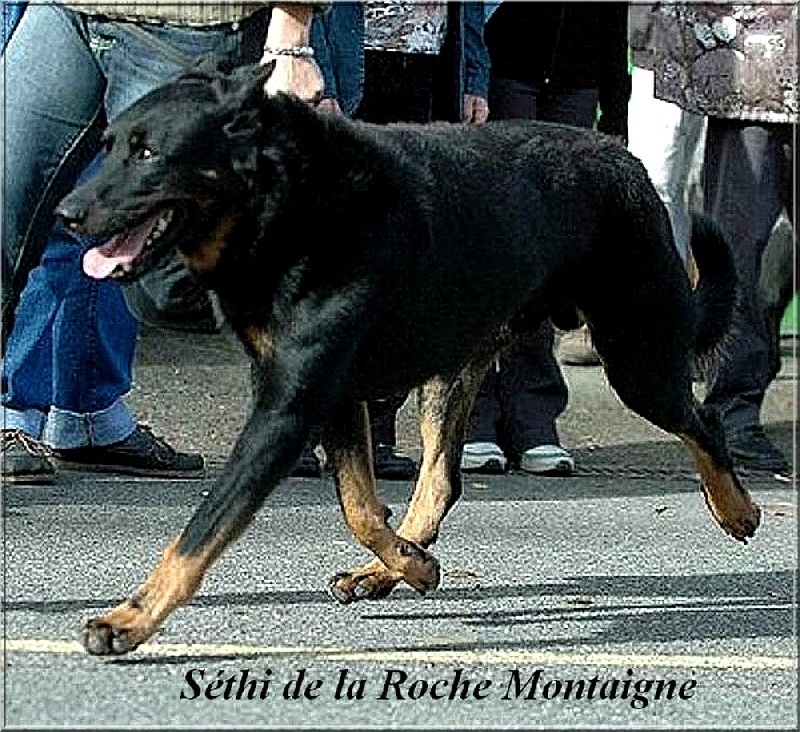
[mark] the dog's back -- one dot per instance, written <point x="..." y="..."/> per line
<point x="522" y="217"/>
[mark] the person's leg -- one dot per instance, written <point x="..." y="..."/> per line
<point x="509" y="99"/>
<point x="91" y="364"/>
<point x="482" y="446"/>
<point x="398" y="87"/>
<point x="51" y="130"/>
<point x="665" y="137"/>
<point x="575" y="107"/>
<point x="748" y="183"/>
<point x="90" y="367"/>
<point x="483" y="453"/>
<point x="777" y="285"/>
<point x="27" y="385"/>
<point x="579" y="109"/>
<point x="389" y="461"/>
<point x="69" y="356"/>
<point x="95" y="431"/>
<point x="533" y="392"/>
<point x="89" y="426"/>
<point x="12" y="12"/>
<point x="67" y="367"/>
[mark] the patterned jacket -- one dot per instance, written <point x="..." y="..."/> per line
<point x="736" y="61"/>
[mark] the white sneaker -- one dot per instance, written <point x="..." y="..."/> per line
<point x="547" y="460"/>
<point x="483" y="457"/>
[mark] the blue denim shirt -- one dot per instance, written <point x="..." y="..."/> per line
<point x="338" y="41"/>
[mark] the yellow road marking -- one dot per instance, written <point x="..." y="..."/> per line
<point x="491" y="657"/>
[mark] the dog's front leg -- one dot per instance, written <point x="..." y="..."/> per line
<point x="347" y="443"/>
<point x="444" y="407"/>
<point x="264" y="453"/>
<point x="306" y="365"/>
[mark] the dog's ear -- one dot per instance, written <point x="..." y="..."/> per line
<point x="245" y="86"/>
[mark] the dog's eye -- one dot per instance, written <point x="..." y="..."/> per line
<point x="108" y="143"/>
<point x="143" y="153"/>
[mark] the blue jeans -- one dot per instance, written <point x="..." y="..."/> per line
<point x="68" y="358"/>
<point x="338" y="41"/>
<point x="12" y="12"/>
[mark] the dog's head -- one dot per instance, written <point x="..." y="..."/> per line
<point x="178" y="169"/>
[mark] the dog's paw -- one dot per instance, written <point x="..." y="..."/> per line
<point x="743" y="525"/>
<point x="101" y="638"/>
<point x="737" y="515"/>
<point x="362" y="584"/>
<point x="418" y="567"/>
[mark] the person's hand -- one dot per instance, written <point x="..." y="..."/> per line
<point x="297" y="75"/>
<point x="331" y="106"/>
<point x="476" y="109"/>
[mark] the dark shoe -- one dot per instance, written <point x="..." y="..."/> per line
<point x="750" y="447"/>
<point x="307" y="465"/>
<point x="25" y="460"/>
<point x="141" y="453"/>
<point x="391" y="464"/>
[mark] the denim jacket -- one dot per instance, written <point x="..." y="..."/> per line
<point x="338" y="41"/>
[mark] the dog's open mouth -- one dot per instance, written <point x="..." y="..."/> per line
<point x="126" y="251"/>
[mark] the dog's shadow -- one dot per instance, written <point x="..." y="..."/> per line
<point x="630" y="609"/>
<point x="617" y="610"/>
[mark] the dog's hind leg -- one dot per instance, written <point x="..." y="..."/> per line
<point x="347" y="444"/>
<point x="725" y="497"/>
<point x="444" y="406"/>
<point x="650" y="371"/>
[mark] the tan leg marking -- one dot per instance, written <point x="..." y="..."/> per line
<point x="444" y="411"/>
<point x="173" y="582"/>
<point x="364" y="513"/>
<point x="729" y="503"/>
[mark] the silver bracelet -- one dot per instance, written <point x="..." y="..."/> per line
<point x="296" y="51"/>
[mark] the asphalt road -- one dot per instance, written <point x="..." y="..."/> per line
<point x="616" y="574"/>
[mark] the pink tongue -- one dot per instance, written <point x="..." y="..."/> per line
<point x="119" y="251"/>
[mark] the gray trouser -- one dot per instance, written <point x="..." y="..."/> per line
<point x="748" y="183"/>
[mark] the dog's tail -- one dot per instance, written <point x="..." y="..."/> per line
<point x="715" y="295"/>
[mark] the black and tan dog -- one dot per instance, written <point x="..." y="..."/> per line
<point x="357" y="262"/>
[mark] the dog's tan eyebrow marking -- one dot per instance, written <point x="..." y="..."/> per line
<point x="211" y="173"/>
